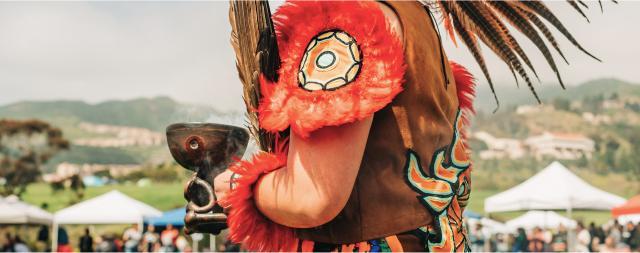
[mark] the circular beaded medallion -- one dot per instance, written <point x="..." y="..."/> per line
<point x="332" y="60"/>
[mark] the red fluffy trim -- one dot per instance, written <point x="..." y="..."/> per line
<point x="465" y="85"/>
<point x="466" y="88"/>
<point x="247" y="225"/>
<point x="379" y="81"/>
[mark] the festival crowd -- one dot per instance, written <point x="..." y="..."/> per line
<point x="614" y="237"/>
<point x="132" y="240"/>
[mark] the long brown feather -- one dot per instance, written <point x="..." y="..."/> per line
<point x="523" y="25"/>
<point x="470" y="41"/>
<point x="577" y="8"/>
<point x="542" y="10"/>
<point x="544" y="29"/>
<point x="254" y="42"/>
<point x="494" y="39"/>
<point x="512" y="42"/>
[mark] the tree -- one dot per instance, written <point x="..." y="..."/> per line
<point x="562" y="104"/>
<point x="24" y="147"/>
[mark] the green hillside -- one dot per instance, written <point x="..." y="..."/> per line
<point x="615" y="165"/>
<point x="152" y="113"/>
<point x="510" y="95"/>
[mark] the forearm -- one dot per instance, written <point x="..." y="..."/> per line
<point x="318" y="178"/>
<point x="291" y="200"/>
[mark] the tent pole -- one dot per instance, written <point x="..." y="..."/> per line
<point x="212" y="243"/>
<point x="141" y="226"/>
<point x="54" y="237"/>
<point x="570" y="240"/>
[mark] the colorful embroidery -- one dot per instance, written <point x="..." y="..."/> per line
<point x="388" y="244"/>
<point x="444" y="193"/>
<point x="332" y="60"/>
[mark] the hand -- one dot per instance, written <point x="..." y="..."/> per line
<point x="221" y="185"/>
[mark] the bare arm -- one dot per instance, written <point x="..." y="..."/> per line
<point x="318" y="178"/>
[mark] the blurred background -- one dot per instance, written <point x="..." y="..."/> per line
<point x="87" y="89"/>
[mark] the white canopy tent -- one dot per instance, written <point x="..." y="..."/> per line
<point x="542" y="219"/>
<point x="633" y="218"/>
<point x="14" y="211"/>
<point x="553" y="188"/>
<point x="113" y="207"/>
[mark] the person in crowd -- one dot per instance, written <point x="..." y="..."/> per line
<point x="615" y="232"/>
<point x="117" y="243"/>
<point x="8" y="244"/>
<point x="611" y="246"/>
<point x="583" y="238"/>
<point x="547" y="236"/>
<point x="502" y="244"/>
<point x="108" y="244"/>
<point x="634" y="237"/>
<point x="477" y="239"/>
<point x="149" y="238"/>
<point x="169" y="237"/>
<point x="229" y="246"/>
<point x="63" y="241"/>
<point x="511" y="240"/>
<point x="86" y="242"/>
<point x="593" y="232"/>
<point x="595" y="244"/>
<point x="536" y="240"/>
<point x="182" y="244"/>
<point x="42" y="241"/>
<point x="559" y="240"/>
<point x="132" y="237"/>
<point x="521" y="242"/>
<point x="600" y="233"/>
<point x="19" y="245"/>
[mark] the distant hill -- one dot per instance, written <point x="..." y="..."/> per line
<point x="152" y="113"/>
<point x="511" y="95"/>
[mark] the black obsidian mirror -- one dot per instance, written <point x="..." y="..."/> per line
<point x="207" y="149"/>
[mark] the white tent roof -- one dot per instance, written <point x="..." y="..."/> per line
<point x="14" y="211"/>
<point x="542" y="219"/>
<point x="553" y="188"/>
<point x="110" y="208"/>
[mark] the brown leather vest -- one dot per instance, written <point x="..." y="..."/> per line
<point x="419" y="118"/>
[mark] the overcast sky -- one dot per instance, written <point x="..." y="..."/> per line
<point x="95" y="51"/>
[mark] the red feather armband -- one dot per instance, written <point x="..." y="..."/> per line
<point x="247" y="225"/>
<point x="335" y="68"/>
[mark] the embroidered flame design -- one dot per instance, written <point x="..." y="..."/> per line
<point x="440" y="192"/>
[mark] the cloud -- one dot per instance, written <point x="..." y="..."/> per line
<point x="101" y="50"/>
<point x="96" y="51"/>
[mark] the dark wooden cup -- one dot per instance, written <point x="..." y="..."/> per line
<point x="207" y="149"/>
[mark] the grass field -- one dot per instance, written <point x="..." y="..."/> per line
<point x="163" y="196"/>
<point x="166" y="196"/>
